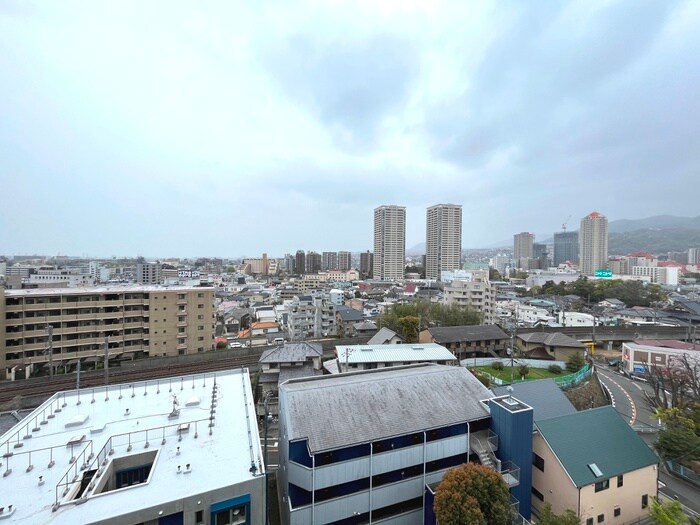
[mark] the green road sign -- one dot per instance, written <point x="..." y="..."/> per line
<point x="603" y="273"/>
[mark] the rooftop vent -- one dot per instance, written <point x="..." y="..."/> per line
<point x="594" y="468"/>
<point x="75" y="440"/>
<point x="418" y="347"/>
<point x="193" y="401"/>
<point x="77" y="420"/>
<point x="366" y="348"/>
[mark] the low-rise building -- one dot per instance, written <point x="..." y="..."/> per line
<point x="469" y="340"/>
<point x="593" y="463"/>
<point x="184" y="450"/>
<point x="639" y="358"/>
<point x="367" y="357"/>
<point x="553" y="346"/>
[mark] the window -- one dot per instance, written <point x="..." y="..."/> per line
<point x="616" y="511"/>
<point x="537" y="494"/>
<point x="199" y="517"/>
<point x="619" y="481"/>
<point x="538" y="462"/>
<point x="601" y="518"/>
<point x="589" y="521"/>
<point x="602" y="485"/>
<point x="645" y="501"/>
<point x="200" y="306"/>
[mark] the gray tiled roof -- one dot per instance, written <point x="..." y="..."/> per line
<point x="294" y="372"/>
<point x="349" y="314"/>
<point x="291" y="353"/>
<point x="544" y="396"/>
<point x="450" y="334"/>
<point x="336" y="411"/>
<point x="551" y="339"/>
<point x="385" y="334"/>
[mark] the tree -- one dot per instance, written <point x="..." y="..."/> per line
<point x="429" y="314"/>
<point x="523" y="370"/>
<point x="678" y="441"/>
<point x="669" y="513"/>
<point x="547" y="517"/>
<point x="472" y="494"/>
<point x="575" y="362"/>
<point x="409" y="328"/>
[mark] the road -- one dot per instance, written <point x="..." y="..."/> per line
<point x="631" y="403"/>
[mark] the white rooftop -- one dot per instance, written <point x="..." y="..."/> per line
<point x="405" y="353"/>
<point x="167" y="422"/>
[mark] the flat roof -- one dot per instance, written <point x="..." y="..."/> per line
<point x="341" y="410"/>
<point x="404" y="353"/>
<point x="107" y="424"/>
<point x="103" y="289"/>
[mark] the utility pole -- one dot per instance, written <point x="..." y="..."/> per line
<point x="106" y="360"/>
<point x="50" y="338"/>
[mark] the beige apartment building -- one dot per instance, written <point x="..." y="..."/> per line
<point x="134" y="320"/>
<point x="476" y="292"/>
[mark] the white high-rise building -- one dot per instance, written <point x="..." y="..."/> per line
<point x="443" y="239"/>
<point x="593" y="243"/>
<point x="389" y="242"/>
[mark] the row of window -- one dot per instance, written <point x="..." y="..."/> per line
<point x="617" y="511"/>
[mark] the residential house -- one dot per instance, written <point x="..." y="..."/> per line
<point x="593" y="462"/>
<point x="385" y="336"/>
<point x="468" y="341"/>
<point x="367" y="357"/>
<point x="551" y="346"/>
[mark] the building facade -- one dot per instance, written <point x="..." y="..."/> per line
<point x="522" y="246"/>
<point x="389" y="242"/>
<point x="565" y="248"/>
<point x="443" y="239"/>
<point x="344" y="261"/>
<point x="593" y="243"/>
<point x="134" y="320"/>
<point x="366" y="263"/>
<point x="149" y="272"/>
<point x="475" y="292"/>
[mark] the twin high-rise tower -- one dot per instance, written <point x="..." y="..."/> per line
<point x="443" y="241"/>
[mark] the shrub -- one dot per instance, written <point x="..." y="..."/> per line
<point x="523" y="370"/>
<point x="497" y="365"/>
<point x="555" y="369"/>
<point x="484" y="380"/>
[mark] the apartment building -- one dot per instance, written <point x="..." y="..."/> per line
<point x="593" y="243"/>
<point x="476" y="292"/>
<point x="389" y="242"/>
<point x="443" y="239"/>
<point x="134" y="320"/>
<point x="565" y="247"/>
<point x="149" y="272"/>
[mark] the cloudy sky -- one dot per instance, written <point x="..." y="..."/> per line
<point x="225" y="129"/>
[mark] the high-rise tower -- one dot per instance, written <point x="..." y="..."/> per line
<point x="389" y="242"/>
<point x="593" y="243"/>
<point x="565" y="247"/>
<point x="443" y="239"/>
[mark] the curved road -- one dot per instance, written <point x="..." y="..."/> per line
<point x="631" y="403"/>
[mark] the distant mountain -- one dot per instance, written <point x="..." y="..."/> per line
<point x="659" y="222"/>
<point x="656" y="241"/>
<point x="418" y="249"/>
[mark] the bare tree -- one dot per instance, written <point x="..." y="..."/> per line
<point x="671" y="384"/>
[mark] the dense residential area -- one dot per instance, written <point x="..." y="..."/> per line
<point x="573" y="387"/>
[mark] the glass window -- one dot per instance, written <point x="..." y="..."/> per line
<point x="620" y="480"/>
<point x="602" y="485"/>
<point x="617" y="511"/>
<point x="645" y="501"/>
<point x="538" y="462"/>
<point x="601" y="518"/>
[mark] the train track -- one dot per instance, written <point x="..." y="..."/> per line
<point x="43" y="387"/>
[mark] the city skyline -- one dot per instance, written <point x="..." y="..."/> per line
<point x="121" y="136"/>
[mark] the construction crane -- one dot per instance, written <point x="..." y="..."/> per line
<point x="563" y="224"/>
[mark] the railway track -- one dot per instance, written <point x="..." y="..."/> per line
<point x="38" y="387"/>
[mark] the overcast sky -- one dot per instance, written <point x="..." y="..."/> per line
<point x="224" y="129"/>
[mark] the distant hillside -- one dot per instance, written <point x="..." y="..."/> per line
<point x="659" y="222"/>
<point x="656" y="241"/>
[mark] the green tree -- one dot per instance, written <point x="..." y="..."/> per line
<point x="669" y="513"/>
<point x="679" y="440"/>
<point x="409" y="328"/>
<point x="547" y="517"/>
<point x="575" y="362"/>
<point x="429" y="314"/>
<point x="472" y="494"/>
<point x="523" y="370"/>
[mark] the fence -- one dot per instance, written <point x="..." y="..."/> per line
<point x="683" y="472"/>
<point x="563" y="382"/>
<point x="532" y="363"/>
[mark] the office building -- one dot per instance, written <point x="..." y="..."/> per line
<point x="540" y="256"/>
<point x="443" y="239"/>
<point x="313" y="262"/>
<point x="184" y="450"/>
<point x="389" y="242"/>
<point x="138" y="321"/>
<point x="593" y="243"/>
<point x="565" y="248"/>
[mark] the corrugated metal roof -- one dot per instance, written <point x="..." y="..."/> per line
<point x="291" y="353"/>
<point x="405" y="353"/>
<point x="599" y="436"/>
<point x="335" y="411"/>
